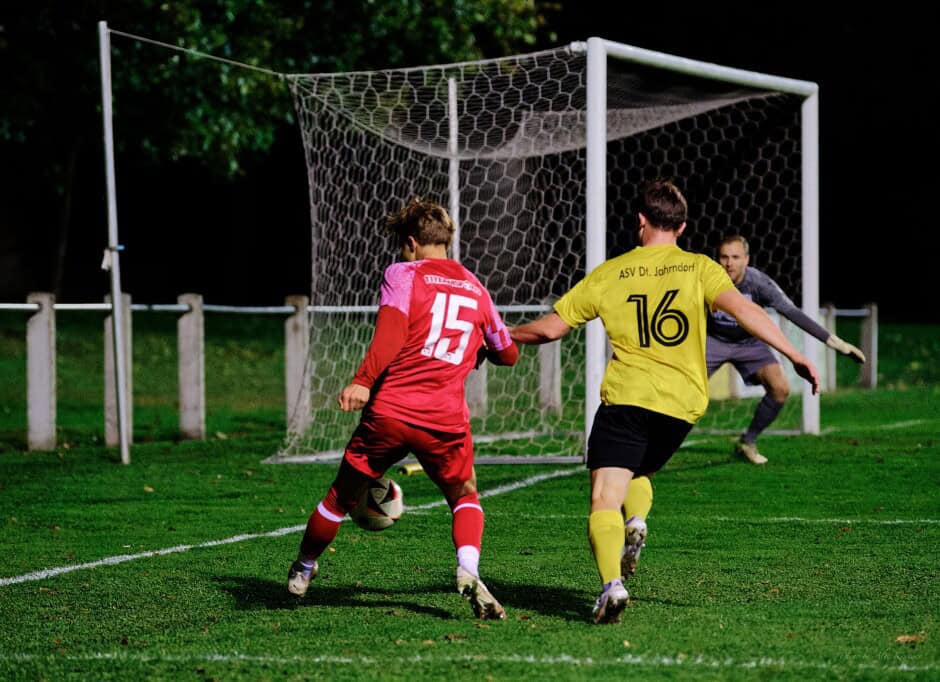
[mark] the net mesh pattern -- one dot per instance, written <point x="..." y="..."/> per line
<point x="516" y="136"/>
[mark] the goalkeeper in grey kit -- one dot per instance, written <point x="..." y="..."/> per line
<point x="727" y="341"/>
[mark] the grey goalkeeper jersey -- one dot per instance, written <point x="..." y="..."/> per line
<point x="763" y="291"/>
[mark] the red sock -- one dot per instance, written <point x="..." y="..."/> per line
<point x="468" y="522"/>
<point x="323" y="525"/>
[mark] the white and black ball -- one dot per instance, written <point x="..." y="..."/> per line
<point x="380" y="505"/>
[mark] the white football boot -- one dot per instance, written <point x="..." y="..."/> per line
<point x="634" y="539"/>
<point x="750" y="453"/>
<point x="483" y="603"/>
<point x="611" y="603"/>
<point x="298" y="577"/>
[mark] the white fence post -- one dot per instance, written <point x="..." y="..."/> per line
<point x="296" y="368"/>
<point x="112" y="436"/>
<point x="41" y="374"/>
<point x="191" y="348"/>
<point x="868" y="373"/>
<point x="829" y="323"/>
<point x="550" y="377"/>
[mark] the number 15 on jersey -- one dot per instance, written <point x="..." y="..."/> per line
<point x="445" y="312"/>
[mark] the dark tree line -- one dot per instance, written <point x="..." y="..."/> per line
<point x="210" y="166"/>
<point x="200" y="145"/>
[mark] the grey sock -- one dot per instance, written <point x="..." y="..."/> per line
<point x="767" y="410"/>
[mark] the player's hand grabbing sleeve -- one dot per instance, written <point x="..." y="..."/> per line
<point x="506" y="357"/>
<point x="846" y="348"/>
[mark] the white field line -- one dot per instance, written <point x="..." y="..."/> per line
<point x="732" y="519"/>
<point x="627" y="660"/>
<point x="799" y="519"/>
<point x="902" y="425"/>
<point x="884" y="427"/>
<point x="122" y="558"/>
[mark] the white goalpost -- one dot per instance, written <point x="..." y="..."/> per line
<point x="539" y="158"/>
<point x="599" y="51"/>
<point x="112" y="259"/>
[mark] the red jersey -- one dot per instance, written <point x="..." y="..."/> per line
<point x="449" y="314"/>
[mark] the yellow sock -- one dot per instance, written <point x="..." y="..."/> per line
<point x="639" y="498"/>
<point x="605" y="529"/>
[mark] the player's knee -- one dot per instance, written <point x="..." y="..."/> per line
<point x="605" y="498"/>
<point x="779" y="392"/>
<point x="455" y="491"/>
<point x="340" y="502"/>
<point x="347" y="487"/>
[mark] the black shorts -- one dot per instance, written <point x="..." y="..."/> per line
<point x="634" y="438"/>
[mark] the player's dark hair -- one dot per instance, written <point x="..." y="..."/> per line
<point x="663" y="205"/>
<point x="426" y="221"/>
<point x="736" y="238"/>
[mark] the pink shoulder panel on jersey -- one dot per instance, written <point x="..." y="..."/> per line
<point x="397" y="285"/>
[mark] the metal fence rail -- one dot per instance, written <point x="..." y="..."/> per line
<point x="245" y="310"/>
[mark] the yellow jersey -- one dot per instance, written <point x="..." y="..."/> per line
<point x="653" y="302"/>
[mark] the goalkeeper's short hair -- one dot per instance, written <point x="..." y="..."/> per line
<point x="426" y="221"/>
<point x="731" y="238"/>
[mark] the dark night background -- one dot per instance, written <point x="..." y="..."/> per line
<point x="246" y="241"/>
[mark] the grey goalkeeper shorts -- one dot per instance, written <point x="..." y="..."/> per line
<point x="747" y="356"/>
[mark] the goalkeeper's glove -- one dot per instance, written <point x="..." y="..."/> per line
<point x="846" y="348"/>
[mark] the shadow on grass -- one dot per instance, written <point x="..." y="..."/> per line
<point x="257" y="593"/>
<point x="555" y="602"/>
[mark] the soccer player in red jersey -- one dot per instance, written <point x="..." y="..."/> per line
<point x="434" y="319"/>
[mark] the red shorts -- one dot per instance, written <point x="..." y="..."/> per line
<point x="379" y="442"/>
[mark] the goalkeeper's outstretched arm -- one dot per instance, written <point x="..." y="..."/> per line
<point x="803" y="321"/>
<point x="783" y="305"/>
<point x="846" y="348"/>
<point x="758" y="324"/>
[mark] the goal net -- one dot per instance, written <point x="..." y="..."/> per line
<point x="502" y="144"/>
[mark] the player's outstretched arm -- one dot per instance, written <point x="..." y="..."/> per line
<point x="544" y="330"/>
<point x="758" y="324"/>
<point x="846" y="348"/>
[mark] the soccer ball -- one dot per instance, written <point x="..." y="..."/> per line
<point x="380" y="505"/>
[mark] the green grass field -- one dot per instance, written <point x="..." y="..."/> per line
<point x="821" y="565"/>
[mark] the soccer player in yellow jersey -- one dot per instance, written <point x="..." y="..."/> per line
<point x="653" y="302"/>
